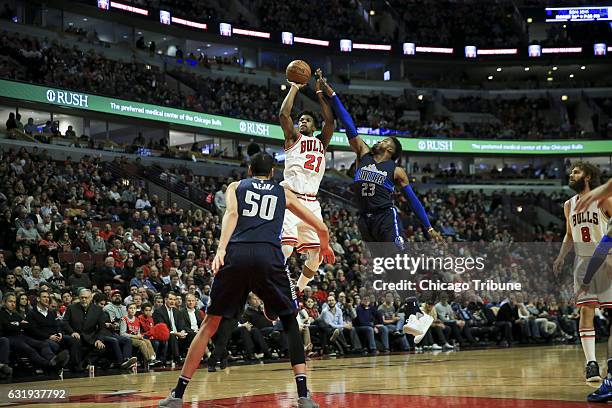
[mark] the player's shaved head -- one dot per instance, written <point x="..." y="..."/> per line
<point x="261" y="164"/>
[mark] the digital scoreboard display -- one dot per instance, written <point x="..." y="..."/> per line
<point x="565" y="14"/>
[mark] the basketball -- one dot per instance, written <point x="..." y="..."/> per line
<point x="298" y="71"/>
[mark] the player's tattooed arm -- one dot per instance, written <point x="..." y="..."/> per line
<point x="328" y="116"/>
<point x="598" y="194"/>
<point x="293" y="204"/>
<point x="228" y="225"/>
<point x="284" y="115"/>
<point x="568" y="241"/>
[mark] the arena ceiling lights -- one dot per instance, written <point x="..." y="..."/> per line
<point x="193" y="24"/>
<point x="346" y="45"/>
<point x="125" y="7"/>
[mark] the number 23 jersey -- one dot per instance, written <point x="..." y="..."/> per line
<point x="304" y="165"/>
<point x="373" y="184"/>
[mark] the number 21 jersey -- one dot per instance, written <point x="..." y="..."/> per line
<point x="304" y="165"/>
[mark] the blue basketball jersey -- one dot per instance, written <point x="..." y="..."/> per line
<point x="373" y="184"/>
<point x="261" y="210"/>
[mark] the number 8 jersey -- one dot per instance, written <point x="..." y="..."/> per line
<point x="261" y="208"/>
<point x="588" y="227"/>
<point x="304" y="165"/>
<point x="373" y="184"/>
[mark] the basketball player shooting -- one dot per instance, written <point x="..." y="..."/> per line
<point x="249" y="258"/>
<point x="376" y="176"/>
<point x="584" y="229"/>
<point x="304" y="169"/>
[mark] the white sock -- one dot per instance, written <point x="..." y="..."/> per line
<point x="587" y="338"/>
<point x="302" y="282"/>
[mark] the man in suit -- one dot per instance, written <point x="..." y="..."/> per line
<point x="12" y="326"/>
<point x="43" y="325"/>
<point x="192" y="317"/>
<point x="86" y="322"/>
<point x="171" y="317"/>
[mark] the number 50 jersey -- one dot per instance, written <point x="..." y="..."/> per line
<point x="261" y="208"/>
<point x="373" y="184"/>
<point x="304" y="165"/>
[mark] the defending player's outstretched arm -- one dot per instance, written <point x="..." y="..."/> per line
<point x="598" y="194"/>
<point x="328" y="116"/>
<point x="401" y="180"/>
<point x="326" y="254"/>
<point x="356" y="142"/>
<point x="284" y="115"/>
<point x="604" y="246"/>
<point x="599" y="256"/>
<point x="228" y="225"/>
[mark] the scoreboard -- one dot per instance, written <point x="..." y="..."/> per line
<point x="565" y="14"/>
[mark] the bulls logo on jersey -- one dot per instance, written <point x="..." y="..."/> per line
<point x="311" y="144"/>
<point x="585" y="217"/>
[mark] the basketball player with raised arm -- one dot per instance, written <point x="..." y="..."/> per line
<point x="601" y="256"/>
<point x="304" y="169"/>
<point x="377" y="174"/>
<point x="584" y="229"/>
<point x="249" y="258"/>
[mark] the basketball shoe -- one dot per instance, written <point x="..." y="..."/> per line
<point x="604" y="393"/>
<point x="170" y="402"/>
<point x="592" y="372"/>
<point x="307" y="402"/>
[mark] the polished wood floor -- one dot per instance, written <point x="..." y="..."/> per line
<point x="538" y="377"/>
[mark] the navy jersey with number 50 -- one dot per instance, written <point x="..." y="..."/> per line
<point x="373" y="184"/>
<point x="261" y="210"/>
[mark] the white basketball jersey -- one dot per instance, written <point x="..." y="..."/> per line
<point x="588" y="227"/>
<point x="304" y="165"/>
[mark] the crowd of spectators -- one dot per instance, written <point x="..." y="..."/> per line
<point x="231" y="97"/>
<point x="480" y="23"/>
<point x="306" y="21"/>
<point x="522" y="118"/>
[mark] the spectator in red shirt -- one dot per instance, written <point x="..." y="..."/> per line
<point x="107" y="233"/>
<point x="319" y="294"/>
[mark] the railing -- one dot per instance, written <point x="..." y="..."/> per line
<point x="173" y="183"/>
<point x="152" y="175"/>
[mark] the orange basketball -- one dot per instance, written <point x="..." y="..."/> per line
<point x="298" y="71"/>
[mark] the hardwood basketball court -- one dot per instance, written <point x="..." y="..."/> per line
<point x="538" y="377"/>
